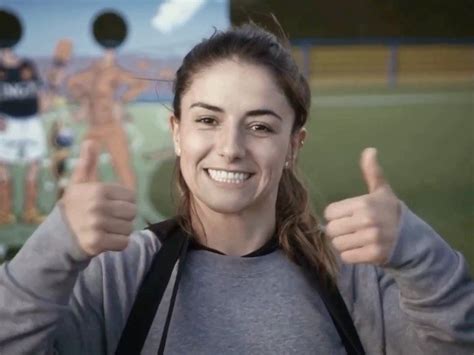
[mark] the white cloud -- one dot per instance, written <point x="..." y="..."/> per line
<point x="174" y="13"/>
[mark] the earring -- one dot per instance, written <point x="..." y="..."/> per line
<point x="178" y="151"/>
<point x="287" y="164"/>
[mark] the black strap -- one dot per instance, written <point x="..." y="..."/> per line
<point x="341" y="318"/>
<point x="150" y="294"/>
<point x="182" y="259"/>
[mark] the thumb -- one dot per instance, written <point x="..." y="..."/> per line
<point x="86" y="168"/>
<point x="371" y="170"/>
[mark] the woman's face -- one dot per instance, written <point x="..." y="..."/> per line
<point x="234" y="137"/>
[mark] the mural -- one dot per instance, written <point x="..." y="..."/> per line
<point x="104" y="73"/>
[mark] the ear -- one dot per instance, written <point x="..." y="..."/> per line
<point x="296" y="142"/>
<point x="174" y="127"/>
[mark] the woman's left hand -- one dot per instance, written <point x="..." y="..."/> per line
<point x="364" y="229"/>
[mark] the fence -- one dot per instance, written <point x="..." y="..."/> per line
<point x="391" y="63"/>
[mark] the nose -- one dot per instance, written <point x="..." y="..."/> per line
<point x="231" y="143"/>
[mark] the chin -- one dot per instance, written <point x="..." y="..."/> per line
<point x="228" y="208"/>
<point x="226" y="205"/>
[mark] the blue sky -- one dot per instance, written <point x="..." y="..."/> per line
<point x="47" y="21"/>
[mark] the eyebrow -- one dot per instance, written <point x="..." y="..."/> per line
<point x="263" y="112"/>
<point x="206" y="106"/>
<point x="260" y="112"/>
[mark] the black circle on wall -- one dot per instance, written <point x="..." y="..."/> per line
<point x="109" y="29"/>
<point x="10" y="29"/>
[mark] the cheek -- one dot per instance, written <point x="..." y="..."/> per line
<point x="193" y="145"/>
<point x="272" y="158"/>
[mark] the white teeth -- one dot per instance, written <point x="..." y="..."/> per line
<point x="228" y="176"/>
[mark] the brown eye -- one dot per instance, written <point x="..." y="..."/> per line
<point x="210" y="121"/>
<point x="261" y="128"/>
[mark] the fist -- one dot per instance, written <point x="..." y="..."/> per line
<point x="100" y="214"/>
<point x="364" y="229"/>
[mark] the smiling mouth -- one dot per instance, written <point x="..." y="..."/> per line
<point x="230" y="177"/>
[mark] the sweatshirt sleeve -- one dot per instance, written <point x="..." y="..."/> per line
<point x="55" y="299"/>
<point x="430" y="283"/>
<point x="36" y="286"/>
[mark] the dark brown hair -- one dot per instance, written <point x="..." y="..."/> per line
<point x="297" y="228"/>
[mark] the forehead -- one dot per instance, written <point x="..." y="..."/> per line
<point x="236" y="85"/>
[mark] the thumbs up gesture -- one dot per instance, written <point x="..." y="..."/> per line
<point x="100" y="214"/>
<point x="364" y="229"/>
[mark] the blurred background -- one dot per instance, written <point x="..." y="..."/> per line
<point x="396" y="75"/>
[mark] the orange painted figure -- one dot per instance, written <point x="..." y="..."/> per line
<point x="96" y="89"/>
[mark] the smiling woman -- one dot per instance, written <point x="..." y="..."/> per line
<point x="256" y="272"/>
<point x="233" y="149"/>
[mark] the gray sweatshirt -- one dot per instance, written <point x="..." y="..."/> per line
<point x="53" y="298"/>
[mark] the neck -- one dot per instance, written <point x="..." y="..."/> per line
<point x="8" y="58"/>
<point x="234" y="234"/>
<point x="108" y="58"/>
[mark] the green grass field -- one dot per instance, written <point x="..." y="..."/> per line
<point x="425" y="139"/>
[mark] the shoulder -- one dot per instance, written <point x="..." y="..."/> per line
<point x="27" y="63"/>
<point x="124" y="271"/>
<point x="120" y="68"/>
<point x="142" y="247"/>
<point x="83" y="73"/>
<point x="123" y="73"/>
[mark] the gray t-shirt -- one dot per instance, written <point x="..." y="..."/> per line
<point x="54" y="298"/>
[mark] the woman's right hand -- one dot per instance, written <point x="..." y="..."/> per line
<point x="100" y="214"/>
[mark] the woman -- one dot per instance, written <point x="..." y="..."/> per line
<point x="240" y="108"/>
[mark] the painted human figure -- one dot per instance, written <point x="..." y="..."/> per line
<point x="96" y="89"/>
<point x="22" y="137"/>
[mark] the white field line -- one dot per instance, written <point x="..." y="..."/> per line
<point x="377" y="100"/>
